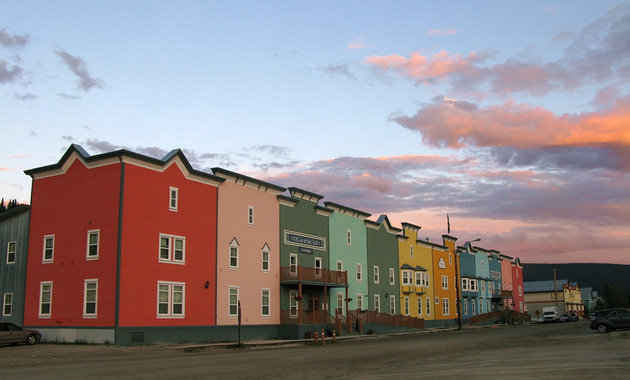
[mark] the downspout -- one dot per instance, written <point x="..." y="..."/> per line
<point x="119" y="247"/>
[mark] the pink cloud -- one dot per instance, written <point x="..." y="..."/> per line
<point x="356" y="44"/>
<point x="441" y="32"/>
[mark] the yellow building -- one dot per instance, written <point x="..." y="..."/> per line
<point x="416" y="272"/>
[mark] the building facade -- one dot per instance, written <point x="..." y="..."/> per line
<point x="13" y="253"/>
<point x="382" y="256"/>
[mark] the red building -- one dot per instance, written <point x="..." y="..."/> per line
<point x="518" y="294"/>
<point x="122" y="248"/>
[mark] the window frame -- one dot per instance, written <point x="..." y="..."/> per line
<point x="406" y="305"/>
<point x="377" y="303"/>
<point x="11" y="253"/>
<point x="359" y="275"/>
<point x="171" y="285"/>
<point x="411" y="251"/>
<point x="292" y="301"/>
<point x="420" y="305"/>
<point x="171" y="249"/>
<point x="265" y="261"/>
<point x="428" y="305"/>
<point x="340" y="308"/>
<point x="173" y="197"/>
<point x="293" y="268"/>
<point x="42" y="284"/>
<point x="262" y="302"/>
<point x="250" y="215"/>
<point x="230" y="289"/>
<point x="88" y="256"/>
<point x="5" y="304"/>
<point x="376" y="274"/>
<point x="233" y="247"/>
<point x="445" y="282"/>
<point x="446" y="307"/>
<point x="85" y="298"/>
<point x="406" y="276"/>
<point x="360" y="305"/>
<point x="52" y="249"/>
<point x="392" y="304"/>
<point x="348" y="237"/>
<point x="392" y="276"/>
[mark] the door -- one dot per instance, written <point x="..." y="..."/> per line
<point x="313" y="308"/>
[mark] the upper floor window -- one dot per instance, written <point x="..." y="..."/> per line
<point x="520" y="291"/>
<point x="349" y="237"/>
<point x="340" y="265"/>
<point x="49" y="249"/>
<point x="450" y="258"/>
<point x="411" y="251"/>
<point x="11" y="250"/>
<point x="377" y="275"/>
<point x="250" y="215"/>
<point x="293" y="263"/>
<point x="171" y="298"/>
<point x="265" y="258"/>
<point x="444" y="282"/>
<point x="392" y="279"/>
<point x="93" y="238"/>
<point x="465" y="284"/>
<point x="234" y="253"/>
<point x="407" y="277"/>
<point x="359" y="272"/>
<point x="173" y="201"/>
<point x="419" y="279"/>
<point x="482" y="266"/>
<point x="172" y="249"/>
<point x="483" y="285"/>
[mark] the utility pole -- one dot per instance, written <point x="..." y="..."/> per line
<point x="555" y="288"/>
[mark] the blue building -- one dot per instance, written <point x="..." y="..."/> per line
<point x="14" y="225"/>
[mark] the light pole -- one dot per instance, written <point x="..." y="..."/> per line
<point x="457" y="281"/>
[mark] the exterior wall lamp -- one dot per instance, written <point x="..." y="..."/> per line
<point x="207" y="285"/>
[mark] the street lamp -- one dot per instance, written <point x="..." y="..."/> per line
<point x="457" y="281"/>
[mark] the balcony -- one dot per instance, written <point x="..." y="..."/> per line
<point x="506" y="294"/>
<point x="313" y="276"/>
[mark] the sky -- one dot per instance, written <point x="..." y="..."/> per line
<point x="511" y="117"/>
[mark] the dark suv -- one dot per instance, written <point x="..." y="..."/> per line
<point x="610" y="319"/>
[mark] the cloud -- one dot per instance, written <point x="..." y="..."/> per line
<point x="358" y="43"/>
<point x="27" y="96"/>
<point x="15" y="40"/>
<point x="79" y="68"/>
<point x="597" y="55"/>
<point x="68" y="96"/>
<point x="336" y="70"/>
<point x="7" y="73"/>
<point x="441" y="32"/>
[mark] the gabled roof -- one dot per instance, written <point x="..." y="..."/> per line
<point x="77" y="152"/>
<point x="243" y="179"/>
<point x="383" y="220"/>
<point x="14" y="211"/>
<point x="347" y="210"/>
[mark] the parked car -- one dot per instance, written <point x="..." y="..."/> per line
<point x="564" y="317"/>
<point x="610" y="319"/>
<point x="574" y="317"/>
<point x="10" y="333"/>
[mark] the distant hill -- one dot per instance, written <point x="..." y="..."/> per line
<point x="586" y="275"/>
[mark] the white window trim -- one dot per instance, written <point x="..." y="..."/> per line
<point x="359" y="276"/>
<point x="41" y="292"/>
<point x="5" y="304"/>
<point x="392" y="276"/>
<point x="406" y="277"/>
<point x="437" y="300"/>
<point x="360" y="304"/>
<point x="250" y="215"/>
<point x="9" y="251"/>
<point x="262" y="259"/>
<point x="377" y="274"/>
<point x="52" y="255"/>
<point x="170" y="198"/>
<point x="406" y="305"/>
<point x="171" y="249"/>
<point x="392" y="304"/>
<point x="238" y="297"/>
<point x="98" y="245"/>
<point x="85" y="290"/>
<point x="293" y="269"/>
<point x="171" y="286"/>
<point x="377" y="303"/>
<point x="339" y="266"/>
<point x="446" y="307"/>
<point x="428" y="306"/>
<point x="444" y="282"/>
<point x="262" y="293"/>
<point x="420" y="306"/>
<point x="233" y="244"/>
<point x="348" y="237"/>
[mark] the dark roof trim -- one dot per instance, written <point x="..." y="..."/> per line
<point x="246" y="179"/>
<point x="343" y="209"/>
<point x="295" y="190"/>
<point x="419" y="268"/>
<point x="410" y="226"/>
<point x="406" y="266"/>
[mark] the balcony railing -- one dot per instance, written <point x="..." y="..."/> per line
<point x="297" y="274"/>
<point x="506" y="294"/>
<point x="349" y="322"/>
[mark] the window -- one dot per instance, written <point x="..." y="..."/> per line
<point x="482" y="266"/>
<point x="377" y="275"/>
<point x="465" y="307"/>
<point x="7" y="305"/>
<point x="45" y="298"/>
<point x="411" y="251"/>
<point x="265" y="258"/>
<point x="450" y="258"/>
<point x="473" y="307"/>
<point x="428" y="305"/>
<point x="360" y="301"/>
<point x="445" y="306"/>
<point x="465" y="284"/>
<point x="171" y="299"/>
<point x="359" y="272"/>
<point x="172" y="202"/>
<point x="318" y="266"/>
<point x="349" y="237"/>
<point x="437" y="301"/>
<point x="265" y="299"/>
<point x="340" y="265"/>
<point x="340" y="303"/>
<point x="233" y="302"/>
<point x="520" y="306"/>
<point x="490" y="286"/>
<point x="11" y="249"/>
<point x="172" y="249"/>
<point x="473" y="285"/>
<point x="483" y="286"/>
<point x="391" y="276"/>
<point x="90" y="297"/>
<point x="293" y="263"/>
<point x="419" y="306"/>
<point x="426" y="280"/>
<point x="234" y="253"/>
<point x="49" y="249"/>
<point x="93" y="238"/>
<point x="377" y="303"/>
<point x="444" y="282"/>
<point x="392" y="304"/>
<point x="481" y="306"/>
<point x="293" y="303"/>
<point x="520" y="291"/>
<point x="407" y="277"/>
<point x="406" y="303"/>
<point x="250" y="215"/>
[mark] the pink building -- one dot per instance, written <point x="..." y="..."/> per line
<point x="506" y="278"/>
<point x="248" y="253"/>
<point x="517" y="283"/>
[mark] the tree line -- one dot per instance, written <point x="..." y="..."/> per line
<point x="12" y="203"/>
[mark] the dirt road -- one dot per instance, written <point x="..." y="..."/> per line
<point x="563" y="350"/>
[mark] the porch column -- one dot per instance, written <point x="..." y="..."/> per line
<point x="326" y="298"/>
<point x="347" y="302"/>
<point x="300" y="303"/>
